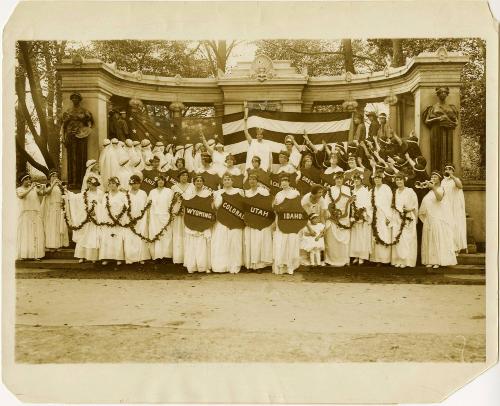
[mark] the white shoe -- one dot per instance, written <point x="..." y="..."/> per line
<point x="142" y="262"/>
<point x="81" y="261"/>
<point x="104" y="262"/>
<point x="428" y="266"/>
<point x="361" y="261"/>
<point x="118" y="263"/>
<point x="436" y="266"/>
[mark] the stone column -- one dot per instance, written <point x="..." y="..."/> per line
<point x="307" y="107"/>
<point x="394" y="117"/>
<point x="97" y="103"/>
<point x="219" y="109"/>
<point x="424" y="97"/>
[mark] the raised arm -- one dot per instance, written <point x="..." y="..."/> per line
<point x="245" y="121"/>
<point x="309" y="143"/>
<point x="205" y="143"/>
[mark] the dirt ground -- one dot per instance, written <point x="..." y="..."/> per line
<point x="246" y="318"/>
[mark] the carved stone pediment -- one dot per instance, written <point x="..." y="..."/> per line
<point x="262" y="68"/>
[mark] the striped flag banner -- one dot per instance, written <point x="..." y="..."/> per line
<point x="330" y="127"/>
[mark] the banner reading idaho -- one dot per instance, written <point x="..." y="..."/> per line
<point x="198" y="213"/>
<point x="291" y="216"/>
<point x="259" y="212"/>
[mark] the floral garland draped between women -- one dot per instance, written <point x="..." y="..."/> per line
<point x="336" y="214"/>
<point x="115" y="221"/>
<point x="404" y="220"/>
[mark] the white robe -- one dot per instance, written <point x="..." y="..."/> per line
<point x="108" y="164"/>
<point x="30" y="233"/>
<point x="147" y="154"/>
<point x="336" y="238"/>
<point x="178" y="222"/>
<point x="227" y="244"/>
<point x="261" y="149"/>
<point x="258" y="244"/>
<point x="111" y="238"/>
<point x="219" y="161"/>
<point x="56" y="231"/>
<point x="383" y="202"/>
<point x="136" y="249"/>
<point x="158" y="218"/>
<point x="405" y="252"/>
<point x="87" y="238"/>
<point x="197" y="243"/>
<point x="90" y="173"/>
<point x="286" y="247"/>
<point x="361" y="232"/>
<point x="437" y="246"/>
<point x="456" y="203"/>
<point x="138" y="154"/>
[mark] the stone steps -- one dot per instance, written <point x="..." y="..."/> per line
<point x="463" y="259"/>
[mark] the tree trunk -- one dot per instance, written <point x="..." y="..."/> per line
<point x="221" y="53"/>
<point x="398" y="58"/>
<point x="20" y="125"/>
<point x="348" y="58"/>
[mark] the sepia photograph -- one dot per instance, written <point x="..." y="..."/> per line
<point x="249" y="202"/>
<point x="271" y="200"/>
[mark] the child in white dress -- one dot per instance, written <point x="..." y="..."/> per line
<point x="312" y="240"/>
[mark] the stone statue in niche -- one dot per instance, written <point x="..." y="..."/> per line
<point x="76" y="127"/>
<point x="442" y="119"/>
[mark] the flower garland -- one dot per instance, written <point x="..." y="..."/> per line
<point x="336" y="213"/>
<point x="115" y="220"/>
<point x="402" y="215"/>
<point x="358" y="213"/>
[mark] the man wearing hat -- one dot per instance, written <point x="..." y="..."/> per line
<point x="149" y="176"/>
<point x="76" y="128"/>
<point x="122" y="132"/>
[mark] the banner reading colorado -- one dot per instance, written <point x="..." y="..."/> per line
<point x="259" y="212"/>
<point x="198" y="213"/>
<point x="231" y="211"/>
<point x="291" y="216"/>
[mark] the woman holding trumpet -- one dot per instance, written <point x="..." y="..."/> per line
<point x="30" y="233"/>
<point x="56" y="231"/>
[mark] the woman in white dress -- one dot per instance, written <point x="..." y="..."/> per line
<point x="404" y="253"/>
<point x="87" y="237"/>
<point x="438" y="249"/>
<point x="159" y="216"/>
<point x="381" y="198"/>
<point x="198" y="243"/>
<point x="56" y="230"/>
<point x="232" y="170"/>
<point x="92" y="170"/>
<point x="336" y="237"/>
<point x="111" y="237"/>
<point x="30" y="233"/>
<point x="218" y="155"/>
<point x="454" y="195"/>
<point x="286" y="246"/>
<point x="185" y="190"/>
<point x="227" y="244"/>
<point x="108" y="161"/>
<point x="258" y="247"/>
<point x="328" y="176"/>
<point x="136" y="248"/>
<point x="146" y="151"/>
<point x="361" y="218"/>
<point x="294" y="151"/>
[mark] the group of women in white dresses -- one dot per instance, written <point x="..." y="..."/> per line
<point x="113" y="219"/>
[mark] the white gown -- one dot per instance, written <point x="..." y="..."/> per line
<point x="56" y="230"/>
<point x="261" y="149"/>
<point x="405" y="252"/>
<point x="178" y="223"/>
<point x="383" y="202"/>
<point x="258" y="244"/>
<point x="456" y="203"/>
<point x="437" y="246"/>
<point x="158" y="218"/>
<point x="361" y="233"/>
<point x="108" y="164"/>
<point x="197" y="243"/>
<point x="227" y="244"/>
<point x="111" y="238"/>
<point x="336" y="238"/>
<point x="136" y="249"/>
<point x="87" y="238"/>
<point x="286" y="247"/>
<point x="219" y="161"/>
<point x="30" y="233"/>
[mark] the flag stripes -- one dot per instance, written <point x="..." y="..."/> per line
<point x="330" y="127"/>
